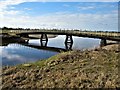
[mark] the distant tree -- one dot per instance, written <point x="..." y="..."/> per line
<point x="5" y="28"/>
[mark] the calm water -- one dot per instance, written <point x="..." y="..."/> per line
<point x="14" y="53"/>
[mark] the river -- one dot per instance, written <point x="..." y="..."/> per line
<point x="15" y="53"/>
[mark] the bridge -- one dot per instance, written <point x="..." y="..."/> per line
<point x="104" y="36"/>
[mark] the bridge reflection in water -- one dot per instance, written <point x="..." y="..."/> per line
<point x="44" y="43"/>
<point x="68" y="44"/>
<point x="68" y="40"/>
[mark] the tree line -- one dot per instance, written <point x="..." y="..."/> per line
<point x="7" y="28"/>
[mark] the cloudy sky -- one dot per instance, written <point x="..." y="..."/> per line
<point x="91" y="15"/>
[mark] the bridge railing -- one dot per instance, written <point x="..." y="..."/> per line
<point x="107" y="34"/>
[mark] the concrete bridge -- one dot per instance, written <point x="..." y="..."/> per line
<point x="104" y="36"/>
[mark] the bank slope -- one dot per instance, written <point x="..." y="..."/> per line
<point x="74" y="69"/>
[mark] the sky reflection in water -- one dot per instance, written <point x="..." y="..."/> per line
<point x="17" y="54"/>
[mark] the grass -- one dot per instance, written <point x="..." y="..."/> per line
<point x="41" y="63"/>
<point x="73" y="69"/>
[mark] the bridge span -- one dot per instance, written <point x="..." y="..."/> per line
<point x="104" y="36"/>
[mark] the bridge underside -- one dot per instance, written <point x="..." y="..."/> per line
<point x="87" y="35"/>
<point x="68" y="41"/>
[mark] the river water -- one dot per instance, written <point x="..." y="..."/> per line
<point x="14" y="53"/>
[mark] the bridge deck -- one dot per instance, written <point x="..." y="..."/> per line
<point x="115" y="36"/>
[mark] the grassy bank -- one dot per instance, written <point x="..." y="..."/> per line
<point x="73" y="69"/>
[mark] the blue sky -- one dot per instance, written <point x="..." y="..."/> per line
<point x="69" y="15"/>
<point x="40" y="8"/>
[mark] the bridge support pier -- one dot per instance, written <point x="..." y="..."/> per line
<point x="44" y="37"/>
<point x="44" y="43"/>
<point x="68" y="46"/>
<point x="103" y="42"/>
<point x="44" y="40"/>
<point x="68" y="42"/>
<point x="68" y="39"/>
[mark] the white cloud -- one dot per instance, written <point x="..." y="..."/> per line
<point x="5" y="3"/>
<point x="27" y="8"/>
<point x="115" y="11"/>
<point x="14" y="18"/>
<point x="11" y="12"/>
<point x="66" y="5"/>
<point x="86" y="8"/>
<point x="10" y="57"/>
<point x="64" y="20"/>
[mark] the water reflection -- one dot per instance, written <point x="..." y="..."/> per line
<point x="43" y="43"/>
<point x="16" y="54"/>
<point x="13" y="53"/>
<point x="54" y="49"/>
<point x="68" y="46"/>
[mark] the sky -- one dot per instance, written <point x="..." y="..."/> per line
<point x="75" y="14"/>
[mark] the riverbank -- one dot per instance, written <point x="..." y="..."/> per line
<point x="96" y="68"/>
